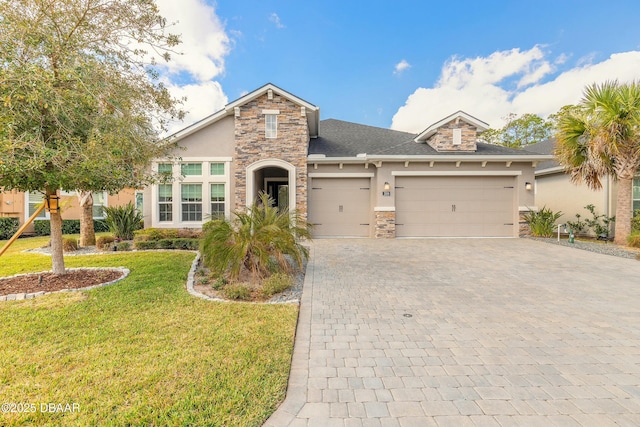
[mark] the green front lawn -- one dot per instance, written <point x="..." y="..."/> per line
<point x="142" y="351"/>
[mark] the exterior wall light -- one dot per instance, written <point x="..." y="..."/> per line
<point x="528" y="186"/>
<point x="52" y="203"/>
<point x="386" y="189"/>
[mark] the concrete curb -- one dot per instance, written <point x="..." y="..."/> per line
<point x="298" y="376"/>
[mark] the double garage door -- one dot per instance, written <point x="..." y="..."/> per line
<point x="426" y="206"/>
<point x="455" y="206"/>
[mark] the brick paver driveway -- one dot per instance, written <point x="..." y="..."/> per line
<point x="464" y="332"/>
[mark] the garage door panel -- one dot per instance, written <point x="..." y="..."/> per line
<point x="340" y="207"/>
<point x="446" y="206"/>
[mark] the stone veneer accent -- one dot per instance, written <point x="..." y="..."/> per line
<point x="385" y="225"/>
<point x="524" y="229"/>
<point x="291" y="144"/>
<point x="442" y="140"/>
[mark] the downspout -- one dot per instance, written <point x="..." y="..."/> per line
<point x="21" y="229"/>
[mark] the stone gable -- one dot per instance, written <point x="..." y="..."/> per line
<point x="442" y="140"/>
<point x="290" y="145"/>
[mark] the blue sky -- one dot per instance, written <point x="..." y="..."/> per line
<point x="403" y="64"/>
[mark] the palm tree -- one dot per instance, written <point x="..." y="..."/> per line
<point x="259" y="241"/>
<point x="601" y="136"/>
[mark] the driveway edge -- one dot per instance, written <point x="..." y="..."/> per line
<point x="298" y="376"/>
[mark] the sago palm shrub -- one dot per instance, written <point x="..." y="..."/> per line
<point x="543" y="222"/>
<point x="123" y="220"/>
<point x="257" y="242"/>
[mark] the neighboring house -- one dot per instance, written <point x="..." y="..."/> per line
<point x="555" y="190"/>
<point x="22" y="205"/>
<point x="349" y="180"/>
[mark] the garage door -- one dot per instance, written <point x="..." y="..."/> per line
<point x="446" y="206"/>
<point x="340" y="207"/>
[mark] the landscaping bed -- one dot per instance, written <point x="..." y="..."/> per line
<point x="142" y="351"/>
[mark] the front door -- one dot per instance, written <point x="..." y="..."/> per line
<point x="279" y="192"/>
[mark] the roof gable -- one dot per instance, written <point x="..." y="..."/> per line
<point x="312" y="112"/>
<point x="431" y="130"/>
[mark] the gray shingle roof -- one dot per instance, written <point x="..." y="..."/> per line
<point x="544" y="147"/>
<point x="338" y="138"/>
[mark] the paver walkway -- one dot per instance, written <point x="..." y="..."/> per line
<point x="465" y="332"/>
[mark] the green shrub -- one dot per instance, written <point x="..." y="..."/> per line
<point x="543" y="222"/>
<point x="600" y="224"/>
<point x="100" y="226"/>
<point x="275" y="284"/>
<point x="578" y="226"/>
<point x="254" y="240"/>
<point x="634" y="239"/>
<point x="69" y="244"/>
<point x="42" y="227"/>
<point x="237" y="291"/>
<point x="122" y="220"/>
<point x="104" y="242"/>
<point x="183" y="244"/>
<point x="152" y="234"/>
<point x="123" y="246"/>
<point x="8" y="227"/>
<point x="635" y="221"/>
<point x="220" y="283"/>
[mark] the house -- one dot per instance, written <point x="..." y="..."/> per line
<point x="22" y="205"/>
<point x="348" y="179"/>
<point x="555" y="190"/>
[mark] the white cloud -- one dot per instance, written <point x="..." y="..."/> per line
<point x="401" y="66"/>
<point x="205" y="44"/>
<point x="490" y="88"/>
<point x="203" y="99"/>
<point x="276" y="20"/>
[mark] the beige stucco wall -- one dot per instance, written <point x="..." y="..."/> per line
<point x="558" y="193"/>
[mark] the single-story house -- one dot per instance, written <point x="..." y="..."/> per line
<point x="555" y="190"/>
<point x="348" y="179"/>
<point x="22" y="205"/>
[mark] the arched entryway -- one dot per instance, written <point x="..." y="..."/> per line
<point x="276" y="178"/>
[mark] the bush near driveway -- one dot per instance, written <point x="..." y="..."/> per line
<point x="142" y="351"/>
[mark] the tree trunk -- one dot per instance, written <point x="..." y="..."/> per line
<point x="87" y="232"/>
<point x="624" y="209"/>
<point x="57" y="256"/>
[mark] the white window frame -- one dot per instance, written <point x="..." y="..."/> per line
<point x="191" y="203"/>
<point x="156" y="191"/>
<point x="105" y="203"/>
<point x="206" y="179"/>
<point x="27" y="205"/>
<point x="270" y="126"/>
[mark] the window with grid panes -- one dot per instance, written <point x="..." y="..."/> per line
<point x="271" y="125"/>
<point x="191" y="200"/>
<point x="98" y="205"/>
<point x="165" y="202"/>
<point x="191" y="169"/>
<point x="165" y="169"/>
<point x="217" y="168"/>
<point x="217" y="200"/>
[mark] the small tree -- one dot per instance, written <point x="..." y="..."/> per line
<point x="256" y="242"/>
<point x="519" y="131"/>
<point x="600" y="137"/>
<point x="82" y="106"/>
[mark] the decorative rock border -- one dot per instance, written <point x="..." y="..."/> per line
<point x="18" y="297"/>
<point x="191" y="281"/>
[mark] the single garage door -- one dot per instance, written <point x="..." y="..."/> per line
<point x="447" y="206"/>
<point x="340" y="207"/>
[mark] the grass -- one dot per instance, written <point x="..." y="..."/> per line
<point x="142" y="351"/>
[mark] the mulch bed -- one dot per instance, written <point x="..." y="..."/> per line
<point x="74" y="279"/>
